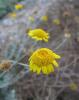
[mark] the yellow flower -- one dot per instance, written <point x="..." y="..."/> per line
<point x="13" y="14"/>
<point x="38" y="35"/>
<point x="44" y="18"/>
<point x="56" y="21"/>
<point x="19" y="6"/>
<point x="31" y="18"/>
<point x="73" y="86"/>
<point x="43" y="60"/>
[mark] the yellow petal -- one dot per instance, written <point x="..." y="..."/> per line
<point x="30" y="68"/>
<point x="38" y="70"/>
<point x="56" y="56"/>
<point x="44" y="70"/>
<point x="50" y="68"/>
<point x="55" y="63"/>
<point x="34" y="68"/>
<point x="37" y="38"/>
<point x="46" y="40"/>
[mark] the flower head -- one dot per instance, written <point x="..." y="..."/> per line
<point x="31" y="19"/>
<point x="43" y="60"/>
<point x="44" y="18"/>
<point x="19" y="6"/>
<point x="56" y="21"/>
<point x="13" y="14"/>
<point x="5" y="65"/>
<point x="38" y="35"/>
<point x="73" y="86"/>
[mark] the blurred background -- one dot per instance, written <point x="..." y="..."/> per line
<point x="59" y="18"/>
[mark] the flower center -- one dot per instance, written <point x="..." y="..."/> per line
<point x="42" y="58"/>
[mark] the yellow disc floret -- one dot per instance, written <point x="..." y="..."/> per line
<point x="43" y="60"/>
<point x="39" y="34"/>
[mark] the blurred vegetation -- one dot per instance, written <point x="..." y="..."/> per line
<point x="7" y="6"/>
<point x="2" y="96"/>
